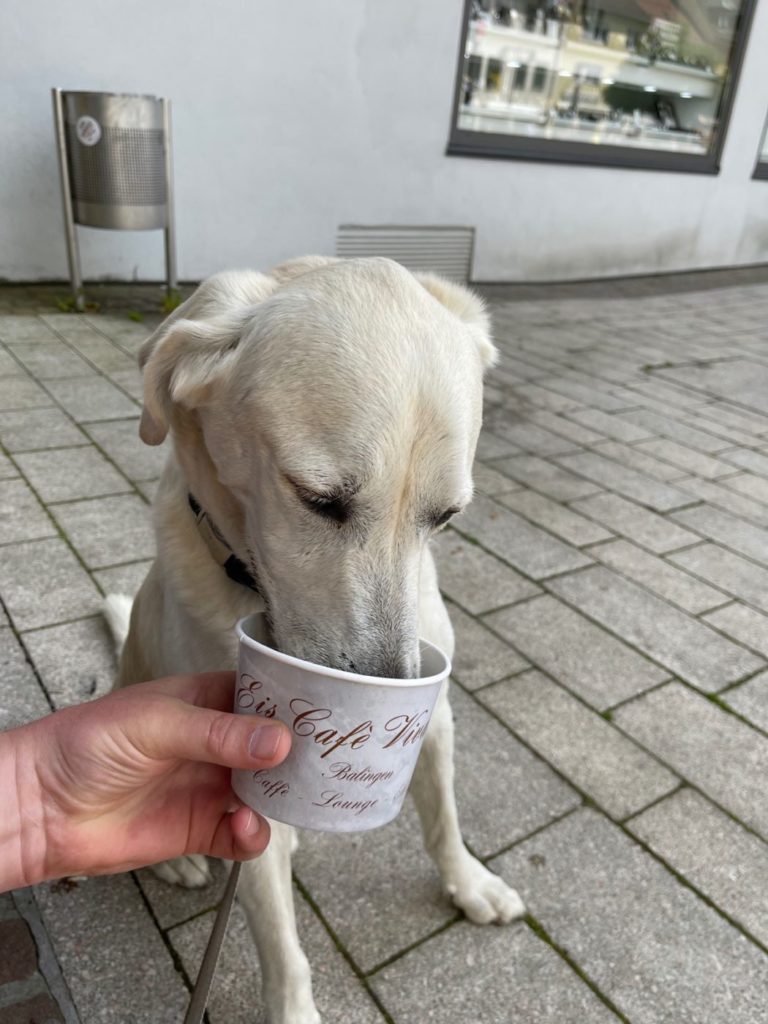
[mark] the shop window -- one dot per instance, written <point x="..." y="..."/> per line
<point x="618" y="82"/>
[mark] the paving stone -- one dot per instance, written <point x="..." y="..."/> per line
<point x="7" y="469"/>
<point x="641" y="525"/>
<point x="491" y="447"/>
<point x="714" y="750"/>
<point x="656" y="574"/>
<point x="38" y="428"/>
<point x="91" y="398"/>
<point x="675" y="430"/>
<point x="743" y="624"/>
<point x="720" y="412"/>
<point x="751" y="700"/>
<point x="491" y="481"/>
<point x="580" y="744"/>
<point x="739" y="377"/>
<point x="747" y="458"/>
<point x="102" y="353"/>
<point x="129" y="381"/>
<point x="51" y="361"/>
<point x="527" y="548"/>
<point x="631" y="484"/>
<point x="76" y="661"/>
<point x="682" y="644"/>
<point x="556" y="518"/>
<point x="547" y="478"/>
<point x="10" y="367"/>
<point x="503" y="794"/>
<point x="24" y="327"/>
<point x="22" y="393"/>
<point x="752" y="486"/>
<point x="734" y="574"/>
<point x="67" y="473"/>
<point x="235" y="994"/>
<point x="467" y="974"/>
<point x="722" y="497"/>
<point x="123" y="579"/>
<point x="611" y="426"/>
<point x="120" y="440"/>
<point x="545" y="399"/>
<point x="22" y="517"/>
<point x="565" y="428"/>
<point x="636" y="459"/>
<point x="729" y="531"/>
<point x="108" y="531"/>
<point x="43" y="583"/>
<point x="173" y="904"/>
<point x="149" y="489"/>
<point x="592" y="663"/>
<point x="729" y="434"/>
<point x="128" y="973"/>
<point x="635" y="931"/>
<point x="527" y="436"/>
<point x="21" y="698"/>
<point x="480" y="657"/>
<point x="685" y="458"/>
<point x="714" y="853"/>
<point x="475" y="579"/>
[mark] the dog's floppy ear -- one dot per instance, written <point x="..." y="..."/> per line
<point x="195" y="346"/>
<point x="467" y="307"/>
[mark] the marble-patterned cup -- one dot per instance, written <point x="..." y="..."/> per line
<point x="355" y="738"/>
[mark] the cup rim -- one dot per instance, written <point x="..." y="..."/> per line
<point x="333" y="673"/>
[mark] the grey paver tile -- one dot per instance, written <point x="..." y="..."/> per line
<point x="666" y="426"/>
<point x="528" y="436"/>
<point x="749" y="484"/>
<point x="9" y="367"/>
<point x="713" y="852"/>
<point x="721" y="496"/>
<point x="467" y="974"/>
<point x="712" y="749"/>
<point x="545" y="398"/>
<point x="682" y="644"/>
<point x="592" y="663"/>
<point x="565" y="428"/>
<point x="67" y="473"/>
<point x="22" y="393"/>
<point x="76" y="661"/>
<point x="491" y="481"/>
<point x="639" y="460"/>
<point x="727" y="530"/>
<point x="741" y="377"/>
<point x="512" y="538"/>
<point x="24" y="327"/>
<point x="744" y="624"/>
<point x="586" y="391"/>
<point x="556" y="518"/>
<point x="480" y="657"/>
<point x="547" y="478"/>
<point x="21" y="698"/>
<point x="103" y="354"/>
<point x="91" y="398"/>
<point x="7" y="469"/>
<point x="686" y="458"/>
<point x="722" y="412"/>
<point x="38" y="428"/>
<point x="130" y="381"/>
<point x="126" y="954"/>
<point x="635" y="931"/>
<point x="747" y="458"/>
<point x="626" y="481"/>
<point x="734" y="574"/>
<point x="589" y="751"/>
<point x="173" y="904"/>
<point x="68" y="590"/>
<point x="751" y="700"/>
<point x="50" y="361"/>
<point x="491" y="447"/>
<point x="656" y="574"/>
<point x="123" y="579"/>
<point x="108" y="531"/>
<point x="235" y="994"/>
<point x="638" y="524"/>
<point x="475" y="579"/>
<point x="611" y="426"/>
<point x="22" y="517"/>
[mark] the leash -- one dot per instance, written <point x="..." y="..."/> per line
<point x="199" y="1000"/>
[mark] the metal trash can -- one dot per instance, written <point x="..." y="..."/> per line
<point x="116" y="170"/>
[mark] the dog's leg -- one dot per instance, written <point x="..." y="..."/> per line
<point x="483" y="896"/>
<point x="266" y="895"/>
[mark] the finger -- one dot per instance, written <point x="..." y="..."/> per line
<point x="208" y="689"/>
<point x="174" y="729"/>
<point x="240" y="836"/>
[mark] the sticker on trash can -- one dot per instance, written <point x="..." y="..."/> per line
<point x="88" y="130"/>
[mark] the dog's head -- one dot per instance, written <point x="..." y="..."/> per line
<point x="326" y="416"/>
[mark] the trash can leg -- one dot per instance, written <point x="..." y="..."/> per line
<point x="73" y="252"/>
<point x="170" y="218"/>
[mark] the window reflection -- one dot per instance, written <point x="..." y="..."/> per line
<point x="645" y="74"/>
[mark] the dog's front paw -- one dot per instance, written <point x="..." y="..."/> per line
<point x="190" y="872"/>
<point x="484" y="897"/>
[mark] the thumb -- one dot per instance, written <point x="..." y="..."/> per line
<point x="173" y="728"/>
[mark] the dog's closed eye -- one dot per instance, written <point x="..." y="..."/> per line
<point x="438" y="521"/>
<point x="328" y="506"/>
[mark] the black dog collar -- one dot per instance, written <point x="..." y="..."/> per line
<point x="221" y="551"/>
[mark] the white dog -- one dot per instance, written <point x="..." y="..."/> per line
<point x="324" y="418"/>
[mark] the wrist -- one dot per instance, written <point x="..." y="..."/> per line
<point x="23" y="844"/>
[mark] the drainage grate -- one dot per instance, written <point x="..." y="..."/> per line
<point x="443" y="250"/>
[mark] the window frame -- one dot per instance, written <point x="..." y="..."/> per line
<point x="497" y="145"/>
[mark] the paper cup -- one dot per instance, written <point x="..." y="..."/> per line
<point x="355" y="738"/>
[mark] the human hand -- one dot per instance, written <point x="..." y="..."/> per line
<point x="137" y="777"/>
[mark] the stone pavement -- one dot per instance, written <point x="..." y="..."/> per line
<point x="609" y="589"/>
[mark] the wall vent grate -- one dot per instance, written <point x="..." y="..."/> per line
<point x="443" y="250"/>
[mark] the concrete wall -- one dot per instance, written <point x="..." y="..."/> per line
<point x="291" y="118"/>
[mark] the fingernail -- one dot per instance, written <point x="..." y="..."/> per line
<point x="252" y="826"/>
<point x="265" y="741"/>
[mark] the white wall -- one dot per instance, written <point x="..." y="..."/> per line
<point x="291" y="118"/>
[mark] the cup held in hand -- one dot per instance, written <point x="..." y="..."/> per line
<point x="356" y="738"/>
